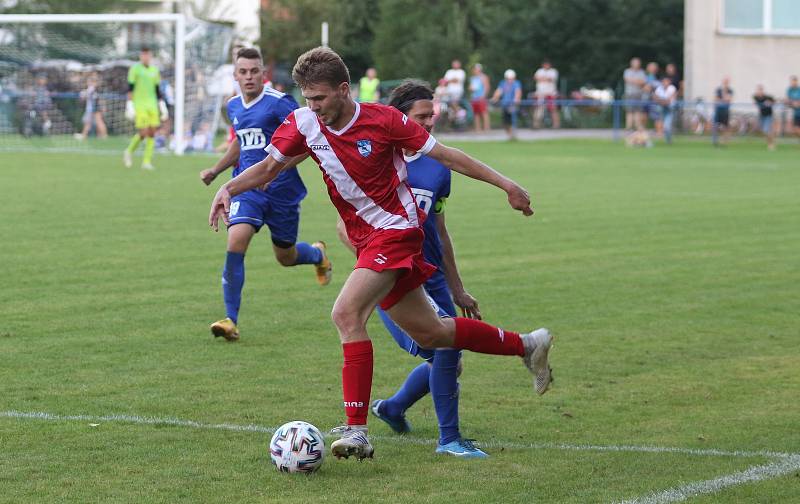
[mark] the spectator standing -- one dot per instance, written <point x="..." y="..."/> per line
<point x="653" y="109"/>
<point x="665" y="96"/>
<point x="509" y="94"/>
<point x="479" y="90"/>
<point x="764" y="102"/>
<point x="93" y="113"/>
<point x="671" y="71"/>
<point x="722" y="112"/>
<point x="635" y="79"/>
<point x="455" y="78"/>
<point x="546" y="79"/>
<point x="793" y="101"/>
<point x="42" y="104"/>
<point x="369" y="87"/>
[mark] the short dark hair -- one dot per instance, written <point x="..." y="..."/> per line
<point x="320" y="65"/>
<point x="248" y="53"/>
<point x="409" y="91"/>
<point x="145" y="49"/>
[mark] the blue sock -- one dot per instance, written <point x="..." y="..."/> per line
<point x="444" y="389"/>
<point x="232" y="283"/>
<point x="413" y="389"/>
<point x="306" y="254"/>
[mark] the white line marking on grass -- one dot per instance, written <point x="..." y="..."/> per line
<point x="136" y="419"/>
<point x="39" y="415"/>
<point x="780" y="467"/>
<point x="782" y="464"/>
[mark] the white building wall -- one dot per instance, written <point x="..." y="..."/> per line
<point x="748" y="60"/>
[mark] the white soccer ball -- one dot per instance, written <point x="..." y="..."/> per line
<point x="297" y="447"/>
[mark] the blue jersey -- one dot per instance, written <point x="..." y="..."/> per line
<point x="254" y="123"/>
<point x="430" y="183"/>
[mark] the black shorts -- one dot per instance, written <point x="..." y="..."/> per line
<point x="509" y="116"/>
<point x="796" y="120"/>
<point x="722" y="116"/>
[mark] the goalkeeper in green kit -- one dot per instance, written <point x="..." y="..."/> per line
<point x="145" y="106"/>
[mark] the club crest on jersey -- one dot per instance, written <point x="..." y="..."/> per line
<point x="235" y="121"/>
<point x="364" y="147"/>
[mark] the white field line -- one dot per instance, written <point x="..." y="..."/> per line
<point x="136" y="419"/>
<point x="783" y="463"/>
<point x="775" y="469"/>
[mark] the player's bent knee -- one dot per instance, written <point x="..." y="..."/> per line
<point x="285" y="259"/>
<point x="346" y="320"/>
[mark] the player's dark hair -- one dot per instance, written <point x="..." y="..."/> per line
<point x="248" y="53"/>
<point x="320" y="66"/>
<point x="408" y="92"/>
<point x="145" y="49"/>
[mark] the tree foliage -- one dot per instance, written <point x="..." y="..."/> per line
<point x="589" y="41"/>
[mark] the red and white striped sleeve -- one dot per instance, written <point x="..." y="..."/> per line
<point x="409" y="135"/>
<point x="287" y="141"/>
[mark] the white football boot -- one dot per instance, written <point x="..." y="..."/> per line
<point x="127" y="160"/>
<point x="537" y="345"/>
<point x="354" y="441"/>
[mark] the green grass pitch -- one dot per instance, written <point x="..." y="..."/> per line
<point x="669" y="276"/>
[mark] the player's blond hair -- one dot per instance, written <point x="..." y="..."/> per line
<point x="320" y="65"/>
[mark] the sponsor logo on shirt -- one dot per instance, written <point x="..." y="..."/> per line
<point x="235" y="121"/>
<point x="251" y="138"/>
<point x="364" y="147"/>
<point x="320" y="147"/>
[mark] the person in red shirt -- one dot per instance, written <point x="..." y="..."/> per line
<point x="359" y="149"/>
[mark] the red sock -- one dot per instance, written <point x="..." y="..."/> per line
<point x="481" y="337"/>
<point x="357" y="380"/>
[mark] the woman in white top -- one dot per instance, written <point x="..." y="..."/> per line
<point x="665" y="96"/>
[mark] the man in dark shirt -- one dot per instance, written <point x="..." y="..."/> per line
<point x="722" y="108"/>
<point x="671" y="71"/>
<point x="764" y="102"/>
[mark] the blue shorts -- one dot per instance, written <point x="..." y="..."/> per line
<point x="766" y="124"/>
<point x="441" y="301"/>
<point x="282" y="219"/>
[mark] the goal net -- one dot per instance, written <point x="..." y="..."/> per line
<point x="63" y="79"/>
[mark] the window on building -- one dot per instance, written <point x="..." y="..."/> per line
<point x="786" y="15"/>
<point x="779" y="17"/>
<point x="744" y="14"/>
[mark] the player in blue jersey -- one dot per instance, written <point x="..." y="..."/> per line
<point x="430" y="183"/>
<point x="255" y="114"/>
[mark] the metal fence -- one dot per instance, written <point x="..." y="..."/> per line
<point x="690" y="118"/>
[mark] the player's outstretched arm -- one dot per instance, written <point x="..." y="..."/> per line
<point x="226" y="161"/>
<point x="462" y="298"/>
<point x="259" y="174"/>
<point x="460" y="162"/>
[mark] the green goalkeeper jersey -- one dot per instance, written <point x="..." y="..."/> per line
<point x="144" y="79"/>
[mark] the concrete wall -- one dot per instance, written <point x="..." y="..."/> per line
<point x="748" y="60"/>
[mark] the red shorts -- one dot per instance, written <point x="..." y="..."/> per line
<point x="549" y="101"/>
<point x="397" y="249"/>
<point x="479" y="106"/>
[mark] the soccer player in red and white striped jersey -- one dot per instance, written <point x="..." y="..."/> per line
<point x="359" y="149"/>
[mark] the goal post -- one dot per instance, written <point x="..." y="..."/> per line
<point x="30" y="47"/>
